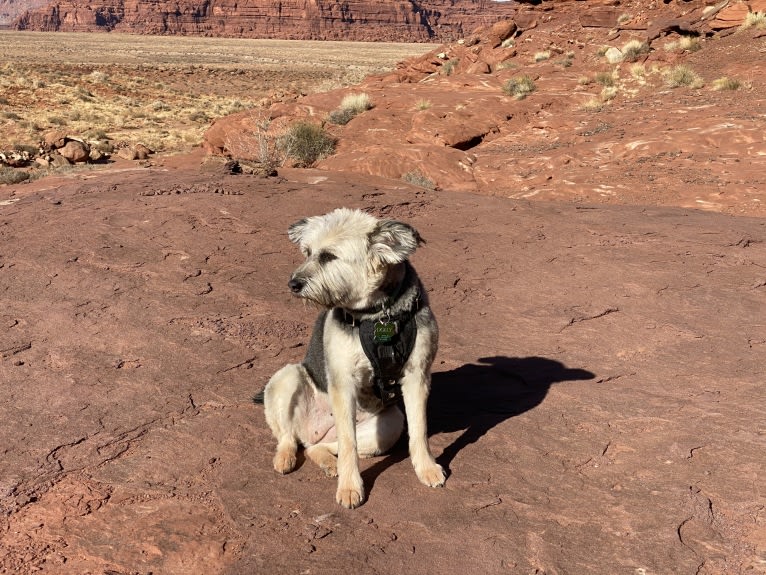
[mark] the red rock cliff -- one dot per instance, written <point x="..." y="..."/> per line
<point x="392" y="20"/>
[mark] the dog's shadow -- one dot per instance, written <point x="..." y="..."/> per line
<point x="476" y="397"/>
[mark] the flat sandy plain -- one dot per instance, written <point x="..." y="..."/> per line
<point x="164" y="90"/>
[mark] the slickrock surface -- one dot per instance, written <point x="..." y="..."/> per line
<point x="597" y="398"/>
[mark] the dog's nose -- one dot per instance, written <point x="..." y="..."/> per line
<point x="295" y="285"/>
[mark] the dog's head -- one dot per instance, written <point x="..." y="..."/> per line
<point x="350" y="257"/>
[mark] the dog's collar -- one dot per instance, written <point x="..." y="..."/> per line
<point x="380" y="313"/>
<point x="382" y="309"/>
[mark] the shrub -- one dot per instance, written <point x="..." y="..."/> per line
<point x="449" y="67"/>
<point x="423" y="104"/>
<point x="350" y="106"/>
<point x="519" y="87"/>
<point x="608" y="93"/>
<point x="633" y="50"/>
<point x="726" y="83"/>
<point x="341" y="116"/>
<point x="357" y="102"/>
<point x="605" y="79"/>
<point x="418" y="178"/>
<point x="754" y="20"/>
<point x="307" y="143"/>
<point x="682" y="76"/>
<point x="29" y="149"/>
<point x="593" y="105"/>
<point x="684" y="44"/>
<point x="12" y="175"/>
<point x="542" y="56"/>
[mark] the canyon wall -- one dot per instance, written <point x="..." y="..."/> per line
<point x="391" y="20"/>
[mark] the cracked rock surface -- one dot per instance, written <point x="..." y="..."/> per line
<point x="598" y="395"/>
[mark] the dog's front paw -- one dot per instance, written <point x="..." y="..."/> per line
<point x="350" y="496"/>
<point x="285" y="461"/>
<point x="432" y="475"/>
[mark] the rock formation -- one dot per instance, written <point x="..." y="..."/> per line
<point x="395" y="20"/>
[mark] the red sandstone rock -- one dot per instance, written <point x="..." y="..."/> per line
<point x="75" y="151"/>
<point x="397" y="20"/>
<point x="730" y="17"/>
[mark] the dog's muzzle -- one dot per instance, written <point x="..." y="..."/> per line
<point x="296" y="285"/>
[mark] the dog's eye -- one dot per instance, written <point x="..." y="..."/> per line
<point x="326" y="257"/>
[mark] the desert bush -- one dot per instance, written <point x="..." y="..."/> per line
<point x="12" y="175"/>
<point x="341" y="116"/>
<point x="357" y="102"/>
<point x="307" y="143"/>
<point x="351" y="106"/>
<point x="624" y="18"/>
<point x="608" y="93"/>
<point x="418" y="178"/>
<point x="584" y="81"/>
<point x="423" y="104"/>
<point x="633" y="50"/>
<point x="28" y="148"/>
<point x="542" y="56"/>
<point x="682" y="75"/>
<point x="98" y="77"/>
<point x="519" y="87"/>
<point x="592" y="105"/>
<point x="684" y="44"/>
<point x="449" y="67"/>
<point x="755" y="20"/>
<point x="605" y="79"/>
<point x="726" y="83"/>
<point x="83" y="94"/>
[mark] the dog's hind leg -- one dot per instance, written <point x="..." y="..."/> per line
<point x="374" y="436"/>
<point x="379" y="433"/>
<point x="284" y="397"/>
<point x="325" y="455"/>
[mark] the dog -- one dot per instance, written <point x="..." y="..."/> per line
<point x="373" y="343"/>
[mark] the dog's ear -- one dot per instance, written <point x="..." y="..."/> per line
<point x="393" y="241"/>
<point x="295" y="231"/>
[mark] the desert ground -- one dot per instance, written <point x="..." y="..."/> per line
<point x="163" y="91"/>
<point x="597" y="398"/>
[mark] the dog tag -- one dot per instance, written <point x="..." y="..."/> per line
<point x="384" y="332"/>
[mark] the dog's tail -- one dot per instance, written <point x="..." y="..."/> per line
<point x="258" y="397"/>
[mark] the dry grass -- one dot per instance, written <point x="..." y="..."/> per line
<point x="755" y="20"/>
<point x="163" y="91"/>
<point x="684" y="44"/>
<point x="519" y="87"/>
<point x="726" y="83"/>
<point x="682" y="75"/>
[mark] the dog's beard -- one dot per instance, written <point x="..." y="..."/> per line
<point x="316" y="293"/>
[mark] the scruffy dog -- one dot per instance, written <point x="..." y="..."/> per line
<point x="373" y="342"/>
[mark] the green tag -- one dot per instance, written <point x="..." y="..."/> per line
<point x="384" y="332"/>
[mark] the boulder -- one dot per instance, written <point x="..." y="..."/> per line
<point x="500" y="31"/>
<point x="54" y="139"/>
<point x="75" y="151"/>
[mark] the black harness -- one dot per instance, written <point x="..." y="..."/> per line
<point x="387" y="342"/>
